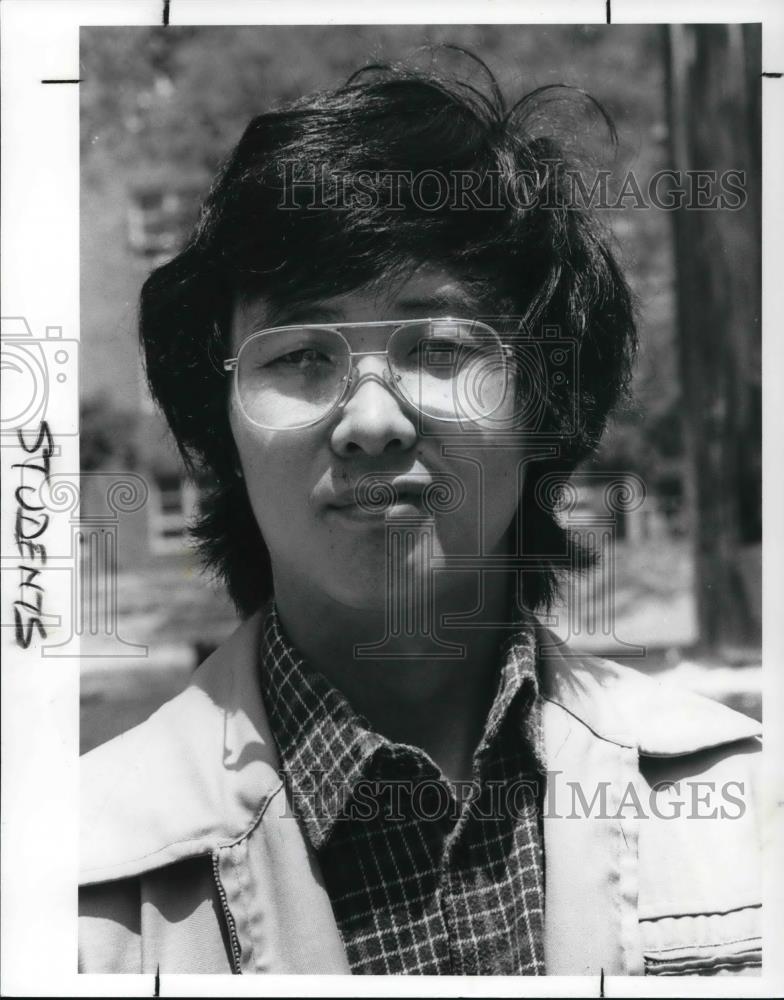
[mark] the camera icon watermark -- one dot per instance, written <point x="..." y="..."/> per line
<point x="39" y="437"/>
<point x="40" y="379"/>
<point x="541" y="398"/>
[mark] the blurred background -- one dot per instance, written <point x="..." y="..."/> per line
<point x="679" y="592"/>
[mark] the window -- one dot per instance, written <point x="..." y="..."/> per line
<point x="172" y="502"/>
<point x="160" y="218"/>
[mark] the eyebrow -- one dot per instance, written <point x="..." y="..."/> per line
<point x="264" y="318"/>
<point x="467" y="297"/>
<point x="449" y="302"/>
<point x="302" y="313"/>
<point x="454" y="300"/>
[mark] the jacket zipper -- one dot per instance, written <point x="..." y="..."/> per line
<point x="234" y="942"/>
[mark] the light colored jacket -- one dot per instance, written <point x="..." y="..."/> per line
<point x="192" y="861"/>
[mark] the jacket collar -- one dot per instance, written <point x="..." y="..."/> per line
<point x="200" y="771"/>
<point x="623" y="706"/>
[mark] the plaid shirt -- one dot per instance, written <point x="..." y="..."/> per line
<point x="418" y="882"/>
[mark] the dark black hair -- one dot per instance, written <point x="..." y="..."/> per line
<point x="388" y="130"/>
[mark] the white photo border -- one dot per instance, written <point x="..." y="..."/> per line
<point x="40" y="282"/>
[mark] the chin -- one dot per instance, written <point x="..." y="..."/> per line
<point x="374" y="592"/>
<point x="372" y="601"/>
<point x="360" y="587"/>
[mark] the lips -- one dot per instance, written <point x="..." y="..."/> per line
<point x="376" y="495"/>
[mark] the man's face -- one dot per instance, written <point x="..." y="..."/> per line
<point x="301" y="482"/>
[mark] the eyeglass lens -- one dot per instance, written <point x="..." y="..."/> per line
<point x="448" y="369"/>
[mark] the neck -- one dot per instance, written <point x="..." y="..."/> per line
<point x="410" y="688"/>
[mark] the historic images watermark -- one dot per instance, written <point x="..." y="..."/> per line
<point x="433" y="799"/>
<point x="316" y="187"/>
<point x="412" y="564"/>
<point x="545" y="417"/>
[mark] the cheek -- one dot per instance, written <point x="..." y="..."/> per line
<point x="502" y="481"/>
<point x="276" y="473"/>
<point x="263" y="470"/>
<point x="491" y="491"/>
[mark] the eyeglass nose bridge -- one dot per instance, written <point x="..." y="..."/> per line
<point x="353" y="380"/>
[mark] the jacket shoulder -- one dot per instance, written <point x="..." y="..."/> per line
<point x="188" y="779"/>
<point x="646" y="711"/>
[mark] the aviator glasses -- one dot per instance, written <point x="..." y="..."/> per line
<point x="292" y="377"/>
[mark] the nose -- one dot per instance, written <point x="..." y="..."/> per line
<point x="373" y="420"/>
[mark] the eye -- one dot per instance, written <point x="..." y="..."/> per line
<point x="301" y="360"/>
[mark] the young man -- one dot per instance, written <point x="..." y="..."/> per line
<point x="388" y="337"/>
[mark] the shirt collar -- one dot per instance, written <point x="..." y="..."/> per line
<point x="326" y="747"/>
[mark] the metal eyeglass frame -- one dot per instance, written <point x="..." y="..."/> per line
<point x="390" y="379"/>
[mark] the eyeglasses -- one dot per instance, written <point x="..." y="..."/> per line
<point x="292" y="377"/>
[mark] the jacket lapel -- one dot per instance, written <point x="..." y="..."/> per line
<point x="274" y="889"/>
<point x="590" y="862"/>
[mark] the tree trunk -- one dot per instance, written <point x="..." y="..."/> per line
<point x="714" y="89"/>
